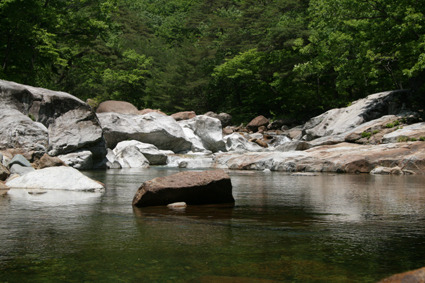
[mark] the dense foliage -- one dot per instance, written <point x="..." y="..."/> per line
<point x="279" y="58"/>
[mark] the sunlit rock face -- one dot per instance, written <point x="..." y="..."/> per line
<point x="153" y="128"/>
<point x="208" y="130"/>
<point x="341" y="120"/>
<point x="42" y="120"/>
<point x="54" y="179"/>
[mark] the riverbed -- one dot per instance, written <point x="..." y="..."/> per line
<point x="284" y="228"/>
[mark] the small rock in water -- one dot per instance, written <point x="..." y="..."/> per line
<point x="304" y="174"/>
<point x="177" y="205"/>
<point x="267" y="171"/>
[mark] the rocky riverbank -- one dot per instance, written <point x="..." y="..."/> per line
<point x="375" y="134"/>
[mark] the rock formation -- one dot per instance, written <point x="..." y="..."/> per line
<point x="207" y="187"/>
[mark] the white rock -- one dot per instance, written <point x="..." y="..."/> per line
<point x="196" y="141"/>
<point x="56" y="178"/>
<point x="81" y="160"/>
<point x="130" y="157"/>
<point x="193" y="160"/>
<point x="209" y="131"/>
<point x="152" y="128"/>
<point x="149" y="151"/>
<point x="411" y="131"/>
<point x="74" y="130"/>
<point x="342" y="120"/>
<point x="236" y="142"/>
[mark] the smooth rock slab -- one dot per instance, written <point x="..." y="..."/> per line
<point x="56" y="178"/>
<point x="414" y="131"/>
<point x="207" y="187"/>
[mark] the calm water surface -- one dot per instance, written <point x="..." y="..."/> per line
<point x="326" y="228"/>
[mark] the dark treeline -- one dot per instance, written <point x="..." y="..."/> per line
<point x="279" y="58"/>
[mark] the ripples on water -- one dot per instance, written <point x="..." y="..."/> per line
<point x="325" y="228"/>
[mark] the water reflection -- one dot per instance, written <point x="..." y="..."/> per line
<point x="321" y="228"/>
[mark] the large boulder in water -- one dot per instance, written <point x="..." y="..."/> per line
<point x="207" y="187"/>
<point x="42" y="120"/>
<point x="55" y="178"/>
<point x="153" y="128"/>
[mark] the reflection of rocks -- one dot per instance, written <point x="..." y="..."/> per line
<point x="206" y="211"/>
<point x="3" y="188"/>
<point x="414" y="276"/>
<point x="207" y="187"/>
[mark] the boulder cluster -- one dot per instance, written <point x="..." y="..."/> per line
<point x="39" y="124"/>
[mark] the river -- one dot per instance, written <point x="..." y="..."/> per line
<point x="324" y="228"/>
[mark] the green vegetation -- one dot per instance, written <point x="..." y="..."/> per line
<point x="393" y="124"/>
<point x="366" y="135"/>
<point x="403" y="139"/>
<point x="291" y="58"/>
<point x="406" y="139"/>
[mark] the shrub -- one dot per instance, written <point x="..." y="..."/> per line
<point x="366" y="135"/>
<point x="403" y="139"/>
<point x="393" y="124"/>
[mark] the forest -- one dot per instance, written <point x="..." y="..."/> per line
<point x="287" y="59"/>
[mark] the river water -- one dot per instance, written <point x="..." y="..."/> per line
<point x="324" y="228"/>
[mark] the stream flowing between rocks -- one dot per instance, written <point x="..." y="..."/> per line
<point x="324" y="228"/>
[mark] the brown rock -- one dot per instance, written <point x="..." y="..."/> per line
<point x="185" y="115"/>
<point x="4" y="172"/>
<point x="227" y="131"/>
<point x="3" y="188"/>
<point x="122" y="107"/>
<point x="225" y="119"/>
<point x="48" y="161"/>
<point x="341" y="158"/>
<point x="148" y="110"/>
<point x="294" y="133"/>
<point x="207" y="187"/>
<point x="261" y="143"/>
<point x="257" y="122"/>
<point x="414" y="276"/>
<point x="262" y="129"/>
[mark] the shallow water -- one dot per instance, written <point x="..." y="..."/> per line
<point x="325" y="228"/>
